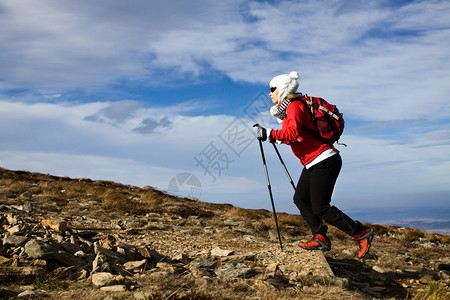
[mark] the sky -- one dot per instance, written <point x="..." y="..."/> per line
<point x="164" y="93"/>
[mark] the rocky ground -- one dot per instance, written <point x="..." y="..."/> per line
<point x="77" y="238"/>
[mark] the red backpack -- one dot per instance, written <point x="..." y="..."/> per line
<point x="327" y="118"/>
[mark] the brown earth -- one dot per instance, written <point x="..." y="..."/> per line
<point x="198" y="250"/>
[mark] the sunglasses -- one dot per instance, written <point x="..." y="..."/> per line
<point x="272" y="89"/>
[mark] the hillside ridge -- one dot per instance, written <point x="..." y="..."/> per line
<point x="150" y="245"/>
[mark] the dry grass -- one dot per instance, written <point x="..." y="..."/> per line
<point x="250" y="214"/>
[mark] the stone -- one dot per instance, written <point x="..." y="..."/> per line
<point x="39" y="263"/>
<point x="444" y="275"/>
<point x="231" y="223"/>
<point x="114" y="288"/>
<point x="39" y="249"/>
<point x="109" y="242"/>
<point x="4" y="260"/>
<point x="273" y="234"/>
<point x="234" y="270"/>
<point x="136" y="266"/>
<point x="100" y="263"/>
<point x="81" y="274"/>
<point x="71" y="248"/>
<point x="148" y="253"/>
<point x="219" y="252"/>
<point x="27" y="207"/>
<point x="58" y="238"/>
<point x="31" y="294"/>
<point x="80" y="254"/>
<point x="68" y="259"/>
<point x="271" y="270"/>
<point x="128" y="251"/>
<point x="183" y="258"/>
<point x="109" y="253"/>
<point x="56" y="225"/>
<point x="14" y="230"/>
<point x="12" y="219"/>
<point x="380" y="269"/>
<point x="102" y="278"/>
<point x="14" y="240"/>
<point x="118" y="268"/>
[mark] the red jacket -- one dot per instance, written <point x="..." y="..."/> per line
<point x="304" y="146"/>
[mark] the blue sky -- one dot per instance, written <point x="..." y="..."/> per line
<point x="139" y="92"/>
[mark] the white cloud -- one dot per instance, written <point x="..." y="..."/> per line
<point x="379" y="62"/>
<point x="56" y="138"/>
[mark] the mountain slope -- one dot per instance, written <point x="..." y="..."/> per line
<point x="151" y="245"/>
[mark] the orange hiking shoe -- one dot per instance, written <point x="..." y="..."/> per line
<point x="364" y="240"/>
<point x="317" y="242"/>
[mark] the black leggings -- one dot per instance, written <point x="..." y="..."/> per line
<point x="313" y="196"/>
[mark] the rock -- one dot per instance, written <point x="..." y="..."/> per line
<point x="68" y="259"/>
<point x="4" y="260"/>
<point x="148" y="253"/>
<point x="102" y="278"/>
<point x="114" y="288"/>
<point x="109" y="242"/>
<point x="273" y="234"/>
<point x="71" y="248"/>
<point x="380" y="269"/>
<point x="12" y="219"/>
<point x="444" y="275"/>
<point x="31" y="271"/>
<point x="109" y="253"/>
<point x="14" y="230"/>
<point x="203" y="266"/>
<point x="31" y="294"/>
<point x="56" y="225"/>
<point x="58" y="238"/>
<point x="128" y="251"/>
<point x="234" y="270"/>
<point x="271" y="270"/>
<point x="100" y="263"/>
<point x="81" y="274"/>
<point x="231" y="223"/>
<point x="444" y="267"/>
<point x="80" y="254"/>
<point x="183" y="258"/>
<point x="14" y="240"/>
<point x="39" y="263"/>
<point x="118" y="268"/>
<point x="39" y="249"/>
<point x="219" y="252"/>
<point x="249" y="238"/>
<point x="27" y="207"/>
<point x="136" y="266"/>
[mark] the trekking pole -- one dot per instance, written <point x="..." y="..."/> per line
<point x="282" y="162"/>
<point x="270" y="190"/>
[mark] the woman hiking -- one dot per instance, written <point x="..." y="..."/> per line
<point x="322" y="164"/>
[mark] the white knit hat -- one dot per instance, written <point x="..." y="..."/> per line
<point x="286" y="84"/>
